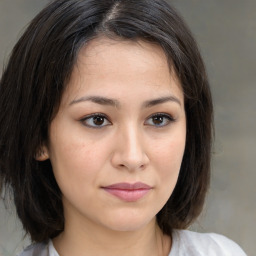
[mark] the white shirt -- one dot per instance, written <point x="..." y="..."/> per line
<point x="188" y="243"/>
<point x="184" y="243"/>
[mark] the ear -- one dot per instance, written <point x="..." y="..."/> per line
<point x="42" y="154"/>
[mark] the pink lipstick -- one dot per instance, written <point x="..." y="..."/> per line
<point x="128" y="192"/>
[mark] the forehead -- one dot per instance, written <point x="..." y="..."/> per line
<point x="106" y="45"/>
<point x="105" y="63"/>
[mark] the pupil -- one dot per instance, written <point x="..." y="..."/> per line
<point x="98" y="120"/>
<point x="158" y="119"/>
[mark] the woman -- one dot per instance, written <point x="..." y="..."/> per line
<point x="106" y="129"/>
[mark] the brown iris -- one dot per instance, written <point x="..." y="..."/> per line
<point x="158" y="120"/>
<point x="98" y="120"/>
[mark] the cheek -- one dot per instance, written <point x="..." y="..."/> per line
<point x="76" y="170"/>
<point x="167" y="161"/>
<point x="169" y="153"/>
<point x="77" y="159"/>
<point x="77" y="163"/>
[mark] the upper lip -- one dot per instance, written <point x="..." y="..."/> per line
<point x="128" y="186"/>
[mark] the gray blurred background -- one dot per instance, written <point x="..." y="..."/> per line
<point x="226" y="33"/>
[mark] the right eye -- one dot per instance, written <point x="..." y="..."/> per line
<point x="95" y="121"/>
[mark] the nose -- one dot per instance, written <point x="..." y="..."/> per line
<point x="130" y="150"/>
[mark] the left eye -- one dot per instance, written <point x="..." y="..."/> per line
<point x="159" y="120"/>
<point x="96" y="121"/>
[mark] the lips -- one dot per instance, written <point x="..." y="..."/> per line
<point x="128" y="192"/>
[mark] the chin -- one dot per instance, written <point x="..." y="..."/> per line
<point x="128" y="223"/>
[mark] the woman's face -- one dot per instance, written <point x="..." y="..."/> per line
<point x="117" y="142"/>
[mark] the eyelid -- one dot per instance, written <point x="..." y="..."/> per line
<point x="165" y="115"/>
<point x="162" y="114"/>
<point x="87" y="117"/>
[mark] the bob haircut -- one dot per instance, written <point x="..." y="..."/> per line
<point x="38" y="72"/>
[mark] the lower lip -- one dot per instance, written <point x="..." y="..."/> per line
<point x="128" y="195"/>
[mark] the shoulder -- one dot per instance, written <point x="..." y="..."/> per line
<point x="198" y="244"/>
<point x="38" y="249"/>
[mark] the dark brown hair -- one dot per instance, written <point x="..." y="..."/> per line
<point x="33" y="82"/>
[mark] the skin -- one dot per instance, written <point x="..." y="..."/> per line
<point x="127" y="145"/>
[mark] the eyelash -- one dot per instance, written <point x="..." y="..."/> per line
<point x="168" y="119"/>
<point x="96" y="115"/>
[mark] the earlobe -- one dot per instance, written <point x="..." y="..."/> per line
<point x="42" y="154"/>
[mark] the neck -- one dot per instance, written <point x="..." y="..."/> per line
<point x="98" y="241"/>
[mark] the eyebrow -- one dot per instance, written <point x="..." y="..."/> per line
<point x="98" y="100"/>
<point x="115" y="103"/>
<point x="161" y="100"/>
